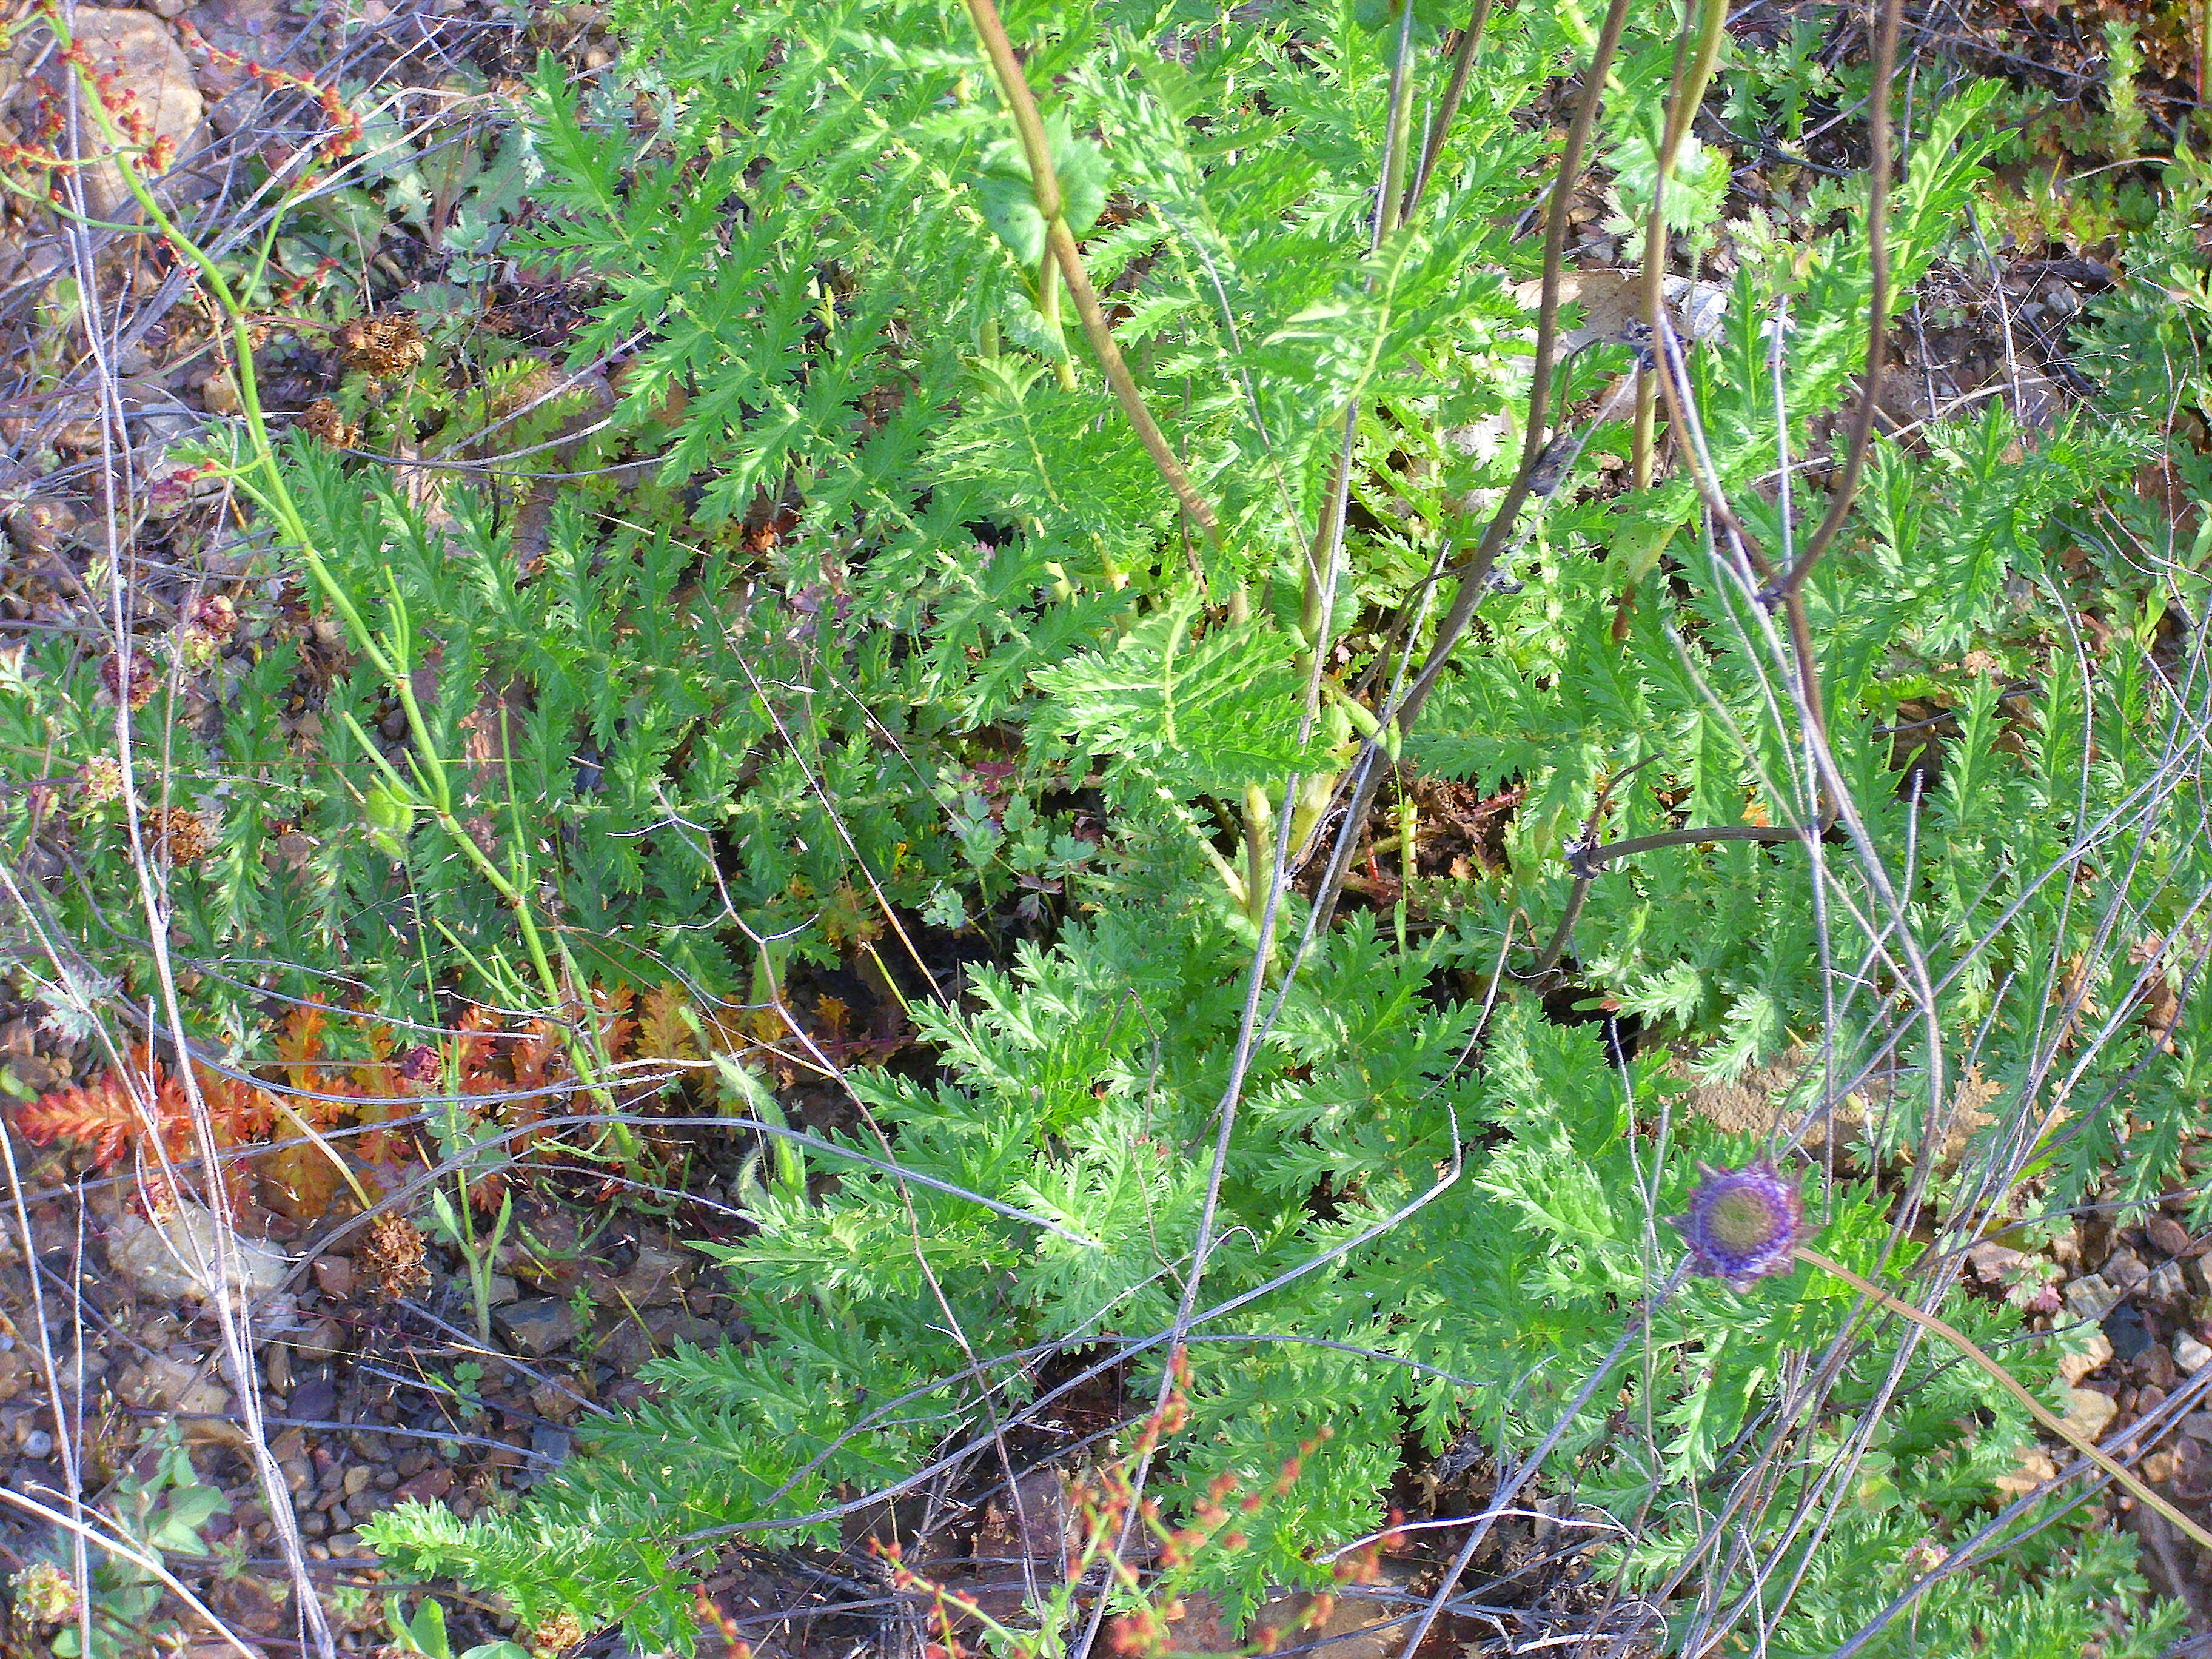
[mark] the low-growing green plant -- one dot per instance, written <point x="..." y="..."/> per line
<point x="1076" y="465"/>
<point x="1430" y="1209"/>
<point x="425" y="1634"/>
<point x="158" y="1509"/>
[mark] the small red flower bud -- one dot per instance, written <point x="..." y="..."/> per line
<point x="130" y="677"/>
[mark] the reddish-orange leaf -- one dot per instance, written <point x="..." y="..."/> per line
<point x="300" y="1043"/>
<point x="242" y="1111"/>
<point x="100" y="1116"/>
<point x="663" y="1033"/>
<point x="298" y="1181"/>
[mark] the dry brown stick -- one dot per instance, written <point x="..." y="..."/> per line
<point x="1044" y="184"/>
<point x="1877" y="352"/>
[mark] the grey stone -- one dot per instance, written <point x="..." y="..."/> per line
<point x="316" y="1400"/>
<point x="653" y="1280"/>
<point x="38" y="1445"/>
<point x="182" y="1256"/>
<point x="537" y="1326"/>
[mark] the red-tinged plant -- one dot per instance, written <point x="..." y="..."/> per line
<point x="345" y="124"/>
<point x="521" y="1066"/>
<point x="139" y="1105"/>
<point x="1143" y="1569"/>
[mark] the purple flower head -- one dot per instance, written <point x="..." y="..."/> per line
<point x="1743" y="1224"/>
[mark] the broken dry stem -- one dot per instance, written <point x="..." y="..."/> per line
<point x="2129" y="1480"/>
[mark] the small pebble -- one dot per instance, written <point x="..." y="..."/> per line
<point x="2088" y="1413"/>
<point x="2125" y="1269"/>
<point x="38" y="1445"/>
<point x="334" y="1276"/>
<point x="2189" y="1354"/>
<point x="2095" y="1351"/>
<point x="2166" y="1234"/>
<point x="2168" y="1282"/>
<point x="2090" y="1297"/>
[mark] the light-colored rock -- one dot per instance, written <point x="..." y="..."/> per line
<point x="2190" y="1355"/>
<point x="165" y="1383"/>
<point x="180" y="1257"/>
<point x="2168" y="1282"/>
<point x="2085" y="1358"/>
<point x="2090" y="1414"/>
<point x="2125" y="1269"/>
<point x="2036" y="1472"/>
<point x="2090" y="1297"/>
<point x="141" y="51"/>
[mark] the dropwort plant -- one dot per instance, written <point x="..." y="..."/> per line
<point x="1162" y="491"/>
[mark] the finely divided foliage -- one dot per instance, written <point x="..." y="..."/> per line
<point x="1349" y="1161"/>
<point x="829" y="241"/>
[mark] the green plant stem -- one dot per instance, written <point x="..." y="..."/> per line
<point x="265" y="484"/>
<point x="1388" y="202"/>
<point x="1470" y="38"/>
<point x="1044" y="182"/>
<point x="1048" y="308"/>
<point x="2132" y="1483"/>
<point x="1693" y="72"/>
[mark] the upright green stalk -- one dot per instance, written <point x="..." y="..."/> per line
<point x="263" y="480"/>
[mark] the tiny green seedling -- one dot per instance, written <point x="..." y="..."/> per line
<point x="425" y="1634"/>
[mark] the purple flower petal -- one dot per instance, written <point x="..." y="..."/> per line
<point x="1744" y="1225"/>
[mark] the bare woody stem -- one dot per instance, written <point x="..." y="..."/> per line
<point x="1475" y="572"/>
<point x="1878" y="164"/>
<point x="1470" y="38"/>
<point x="2133" y="1482"/>
<point x="1693" y="71"/>
<point x="1785" y="587"/>
<point x="1044" y="183"/>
